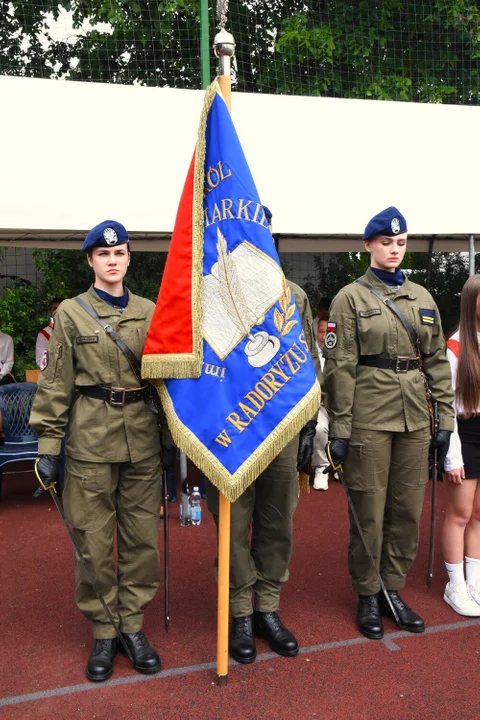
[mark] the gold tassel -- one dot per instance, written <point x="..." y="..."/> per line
<point x="304" y="481"/>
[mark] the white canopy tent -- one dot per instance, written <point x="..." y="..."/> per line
<point x="77" y="153"/>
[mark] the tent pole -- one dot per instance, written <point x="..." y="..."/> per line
<point x="429" y="266"/>
<point x="471" y="254"/>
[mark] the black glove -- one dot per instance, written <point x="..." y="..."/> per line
<point x="305" y="445"/>
<point x="47" y="470"/>
<point x="337" y="451"/>
<point x="169" y="457"/>
<point x="440" y="442"/>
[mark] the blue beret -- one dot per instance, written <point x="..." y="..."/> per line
<point x="106" y="234"/>
<point x="268" y="214"/>
<point x="388" y="222"/>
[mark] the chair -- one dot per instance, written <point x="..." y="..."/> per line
<point x="31" y="376"/>
<point x="20" y="441"/>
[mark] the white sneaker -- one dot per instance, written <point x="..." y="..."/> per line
<point x="320" y="481"/>
<point x="474" y="591"/>
<point x="459" y="598"/>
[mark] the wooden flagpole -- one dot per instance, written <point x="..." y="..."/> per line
<point x="224" y="47"/>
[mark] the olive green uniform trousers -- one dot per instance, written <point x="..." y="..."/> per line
<point x="100" y="498"/>
<point x="260" y="564"/>
<point x="386" y="473"/>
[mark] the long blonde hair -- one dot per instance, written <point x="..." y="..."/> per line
<point x="468" y="372"/>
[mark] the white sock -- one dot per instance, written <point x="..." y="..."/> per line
<point x="472" y="571"/>
<point x="455" y="573"/>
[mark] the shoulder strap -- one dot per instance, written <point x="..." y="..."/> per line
<point x="131" y="357"/>
<point x="412" y="333"/>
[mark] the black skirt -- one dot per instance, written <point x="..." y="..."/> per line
<point x="469" y="432"/>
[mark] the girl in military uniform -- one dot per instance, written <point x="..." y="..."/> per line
<point x="380" y="423"/>
<point x="461" y="529"/>
<point x="89" y="389"/>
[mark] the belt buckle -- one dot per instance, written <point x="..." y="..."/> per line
<point x="114" y="402"/>
<point x="398" y="364"/>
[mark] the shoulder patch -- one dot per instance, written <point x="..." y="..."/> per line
<point x="331" y="335"/>
<point x="427" y="316"/>
<point x="369" y="313"/>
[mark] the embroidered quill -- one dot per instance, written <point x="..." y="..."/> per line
<point x="231" y="293"/>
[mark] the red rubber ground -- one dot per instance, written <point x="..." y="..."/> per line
<point x="45" y="642"/>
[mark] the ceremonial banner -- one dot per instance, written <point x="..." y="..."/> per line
<point x="226" y="330"/>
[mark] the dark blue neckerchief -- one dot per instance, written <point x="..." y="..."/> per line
<point x="119" y="303"/>
<point x="393" y="279"/>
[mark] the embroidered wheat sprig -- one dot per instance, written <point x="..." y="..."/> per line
<point x="282" y="319"/>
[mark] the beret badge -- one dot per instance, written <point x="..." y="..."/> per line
<point x="395" y="225"/>
<point x="110" y="236"/>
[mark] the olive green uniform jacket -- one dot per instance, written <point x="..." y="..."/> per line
<point x="373" y="398"/>
<point x="81" y="353"/>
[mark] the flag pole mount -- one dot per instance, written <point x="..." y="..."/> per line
<point x="224" y="48"/>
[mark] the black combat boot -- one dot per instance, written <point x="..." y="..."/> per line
<point x="242" y="642"/>
<point x="369" y="620"/>
<point x="270" y="627"/>
<point x="145" y="658"/>
<point x="100" y="665"/>
<point x="407" y="619"/>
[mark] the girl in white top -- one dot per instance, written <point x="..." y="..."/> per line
<point x="461" y="529"/>
<point x="7" y="357"/>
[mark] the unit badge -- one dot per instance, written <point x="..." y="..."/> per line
<point x="331" y="335"/>
<point x="395" y="225"/>
<point x="110" y="236"/>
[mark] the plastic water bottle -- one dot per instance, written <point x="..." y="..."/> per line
<point x="195" y="507"/>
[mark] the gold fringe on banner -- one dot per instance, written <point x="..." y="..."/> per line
<point x="232" y="486"/>
<point x="189" y="365"/>
<point x="304" y="481"/>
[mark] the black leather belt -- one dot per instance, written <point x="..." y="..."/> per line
<point x="112" y="395"/>
<point x="398" y="364"/>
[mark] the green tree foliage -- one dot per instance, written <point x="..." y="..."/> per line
<point x="444" y="276"/>
<point x="416" y="50"/>
<point x="18" y="319"/>
<point x="24" y="310"/>
<point x="66" y="273"/>
<point x="390" y="50"/>
<point x="154" y="43"/>
<point x="330" y="273"/>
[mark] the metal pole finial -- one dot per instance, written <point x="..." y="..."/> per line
<point x="224" y="49"/>
<point x="224" y="44"/>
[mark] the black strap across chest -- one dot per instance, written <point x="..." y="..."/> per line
<point x="131" y="357"/>
<point x="412" y="333"/>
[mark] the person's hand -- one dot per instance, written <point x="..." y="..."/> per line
<point x="455" y="476"/>
<point x="440" y="442"/>
<point x="305" y="444"/>
<point x="169" y="456"/>
<point x="46" y="468"/>
<point x="337" y="451"/>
